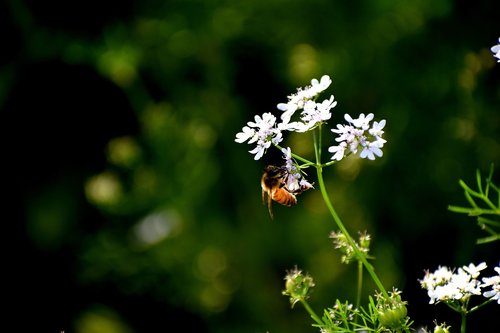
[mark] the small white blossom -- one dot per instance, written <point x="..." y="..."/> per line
<point x="474" y="270"/>
<point x="312" y="114"/>
<point x="247" y="134"/>
<point x="494" y="283"/>
<point x="370" y="150"/>
<point x="295" y="182"/>
<point x="448" y="292"/>
<point x="323" y="84"/>
<point x="287" y="152"/>
<point x="359" y="134"/>
<point x="323" y="110"/>
<point x="260" y="150"/>
<point x="345" y="133"/>
<point x="288" y="109"/>
<point x="441" y="276"/>
<point x="467" y="284"/>
<point x="377" y="128"/>
<point x="362" y="122"/>
<point x="338" y="151"/>
<point x="496" y="50"/>
<point x="445" y="285"/>
<point x="264" y="131"/>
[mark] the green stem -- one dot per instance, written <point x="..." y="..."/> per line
<point x="343" y="229"/>
<point x="360" y="284"/>
<point x="477" y="307"/>
<point x="317" y="147"/>
<point x="311" y="312"/>
<point x="462" y="325"/>
<point x="361" y="256"/>
<point x="297" y="157"/>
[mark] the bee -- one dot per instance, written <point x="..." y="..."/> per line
<point x="273" y="183"/>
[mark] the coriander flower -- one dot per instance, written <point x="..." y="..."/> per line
<point x="312" y="114"/>
<point x="441" y="276"/>
<point x="323" y="84"/>
<point x="359" y="134"/>
<point x="263" y="131"/>
<point x="363" y="122"/>
<point x="377" y="128"/>
<point x="496" y="49"/>
<point x="295" y="182"/>
<point x="474" y="270"/>
<point x="371" y="149"/>
<point x="494" y="283"/>
<point x="297" y="100"/>
<point x="445" y="285"/>
<point x="338" y="151"/>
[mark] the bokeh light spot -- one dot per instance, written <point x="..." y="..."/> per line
<point x="303" y="63"/>
<point x="104" y="189"/>
<point x="123" y="151"/>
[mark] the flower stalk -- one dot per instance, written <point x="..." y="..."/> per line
<point x="361" y="256"/>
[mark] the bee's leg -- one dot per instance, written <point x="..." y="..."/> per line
<point x="270" y="205"/>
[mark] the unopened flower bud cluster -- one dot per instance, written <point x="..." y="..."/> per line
<point x="340" y="241"/>
<point x="297" y="286"/>
<point x="392" y="311"/>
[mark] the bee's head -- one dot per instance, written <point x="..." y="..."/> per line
<point x="274" y="171"/>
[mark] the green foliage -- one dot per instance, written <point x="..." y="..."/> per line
<point x="484" y="202"/>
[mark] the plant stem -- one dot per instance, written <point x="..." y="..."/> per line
<point x="361" y="256"/>
<point x="462" y="325"/>
<point x="343" y="229"/>
<point x="317" y="146"/>
<point x="360" y="283"/>
<point x="297" y="157"/>
<point x="489" y="300"/>
<point x="311" y="312"/>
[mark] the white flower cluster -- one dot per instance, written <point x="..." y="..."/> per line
<point x="263" y="131"/>
<point x="312" y="113"/>
<point x="295" y="182"/>
<point x="266" y="131"/>
<point x="494" y="283"/>
<point x="496" y="49"/>
<point x="358" y="134"/>
<point x="444" y="285"/>
<point x="302" y="113"/>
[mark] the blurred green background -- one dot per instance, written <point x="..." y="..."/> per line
<point x="130" y="207"/>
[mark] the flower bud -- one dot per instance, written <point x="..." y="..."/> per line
<point x="297" y="286"/>
<point x="392" y="311"/>
<point x="393" y="317"/>
<point x="364" y="241"/>
<point x="442" y="328"/>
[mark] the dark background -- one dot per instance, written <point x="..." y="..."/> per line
<point x="130" y="208"/>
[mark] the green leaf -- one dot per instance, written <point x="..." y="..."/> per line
<point x="457" y="209"/>
<point x="489" y="222"/>
<point x="471" y="201"/>
<point x="488" y="239"/>
<point x="478" y="180"/>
